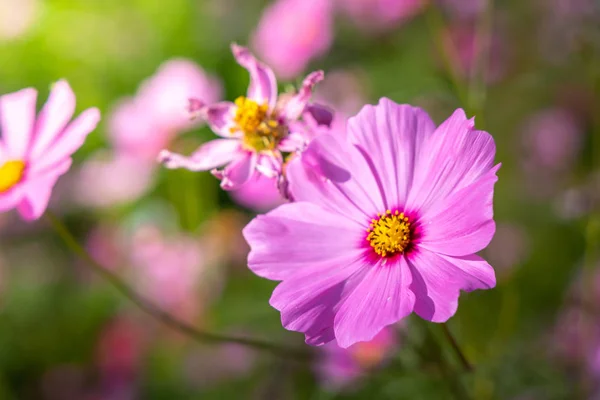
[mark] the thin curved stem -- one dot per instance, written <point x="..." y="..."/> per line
<point x="459" y="353"/>
<point x="160" y="314"/>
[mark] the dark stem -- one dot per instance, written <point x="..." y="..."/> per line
<point x="162" y="315"/>
<point x="459" y="353"/>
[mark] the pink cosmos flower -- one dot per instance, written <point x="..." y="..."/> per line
<point x="142" y="126"/>
<point x="379" y="15"/>
<point x="339" y="367"/>
<point x="35" y="152"/>
<point x="254" y="130"/>
<point x="385" y="223"/>
<point x="293" y="32"/>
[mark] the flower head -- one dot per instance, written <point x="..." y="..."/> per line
<point x="35" y="152"/>
<point x="385" y="222"/>
<point x="255" y="129"/>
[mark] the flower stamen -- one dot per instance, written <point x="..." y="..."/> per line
<point x="262" y="130"/>
<point x="390" y="234"/>
<point x="11" y="173"/>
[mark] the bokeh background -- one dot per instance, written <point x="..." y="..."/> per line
<point x="529" y="71"/>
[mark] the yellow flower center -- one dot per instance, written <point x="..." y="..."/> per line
<point x="262" y="130"/>
<point x="390" y="234"/>
<point x="11" y="173"/>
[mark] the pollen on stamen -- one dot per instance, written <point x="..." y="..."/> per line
<point x="390" y="234"/>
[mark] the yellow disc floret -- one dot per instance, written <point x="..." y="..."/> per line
<point x="11" y="173"/>
<point x="390" y="234"/>
<point x="262" y="130"/>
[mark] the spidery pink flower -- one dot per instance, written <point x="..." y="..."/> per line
<point x="254" y="130"/>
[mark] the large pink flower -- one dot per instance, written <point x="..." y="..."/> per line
<point x="35" y="152"/>
<point x="254" y="130"/>
<point x="385" y="223"/>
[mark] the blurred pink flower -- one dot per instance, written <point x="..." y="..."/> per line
<point x="378" y="15"/>
<point x="339" y="367"/>
<point x="254" y="130"/>
<point x="105" y="180"/>
<point x="553" y="139"/>
<point x="260" y="194"/>
<point x="343" y="90"/>
<point x="142" y="126"/>
<point x="293" y="32"/>
<point x="168" y="270"/>
<point x="465" y="49"/>
<point x="35" y="152"/>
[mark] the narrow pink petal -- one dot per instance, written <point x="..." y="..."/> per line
<point x="219" y="117"/>
<point x="17" y="119"/>
<point x="297" y="104"/>
<point x="297" y="235"/>
<point x="239" y="171"/>
<point x="11" y="198"/>
<point x="69" y="141"/>
<point x="309" y="299"/>
<point x="452" y="158"/>
<point x="37" y="191"/>
<point x="269" y="165"/>
<point x="263" y="85"/>
<point x="213" y="154"/>
<point x="462" y="223"/>
<point x="53" y="118"/>
<point x="336" y="176"/>
<point x="391" y="137"/>
<point x="292" y="142"/>
<point x="381" y="299"/>
<point x="437" y="281"/>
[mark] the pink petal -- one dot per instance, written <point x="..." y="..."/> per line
<point x="335" y="175"/>
<point x="297" y="104"/>
<point x="37" y="192"/>
<point x="219" y="117"/>
<point x="11" y="198"/>
<point x="263" y="85"/>
<point x="462" y="223"/>
<point x="391" y="137"/>
<point x="69" y="141"/>
<point x="298" y="235"/>
<point x="292" y="142"/>
<point x="437" y="281"/>
<point x="452" y="158"/>
<point x="53" y="118"/>
<point x="239" y="171"/>
<point x="17" y="119"/>
<point x="308" y="300"/>
<point x="381" y="299"/>
<point x="213" y="154"/>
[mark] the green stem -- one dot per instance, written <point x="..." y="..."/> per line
<point x="160" y="314"/>
<point x="459" y="353"/>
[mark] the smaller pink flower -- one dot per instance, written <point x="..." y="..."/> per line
<point x="293" y="32"/>
<point x="254" y="130"/>
<point x="35" y="152"/>
<point x="378" y="15"/>
<point x="340" y="367"/>
<point x="143" y="125"/>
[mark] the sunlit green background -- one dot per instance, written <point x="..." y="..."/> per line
<point x="53" y="310"/>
